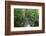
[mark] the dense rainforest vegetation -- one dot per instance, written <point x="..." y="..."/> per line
<point x="20" y="16"/>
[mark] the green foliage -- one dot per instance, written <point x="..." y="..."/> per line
<point x="20" y="14"/>
<point x="32" y="14"/>
<point x="18" y="18"/>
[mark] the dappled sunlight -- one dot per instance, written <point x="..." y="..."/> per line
<point x="26" y="17"/>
